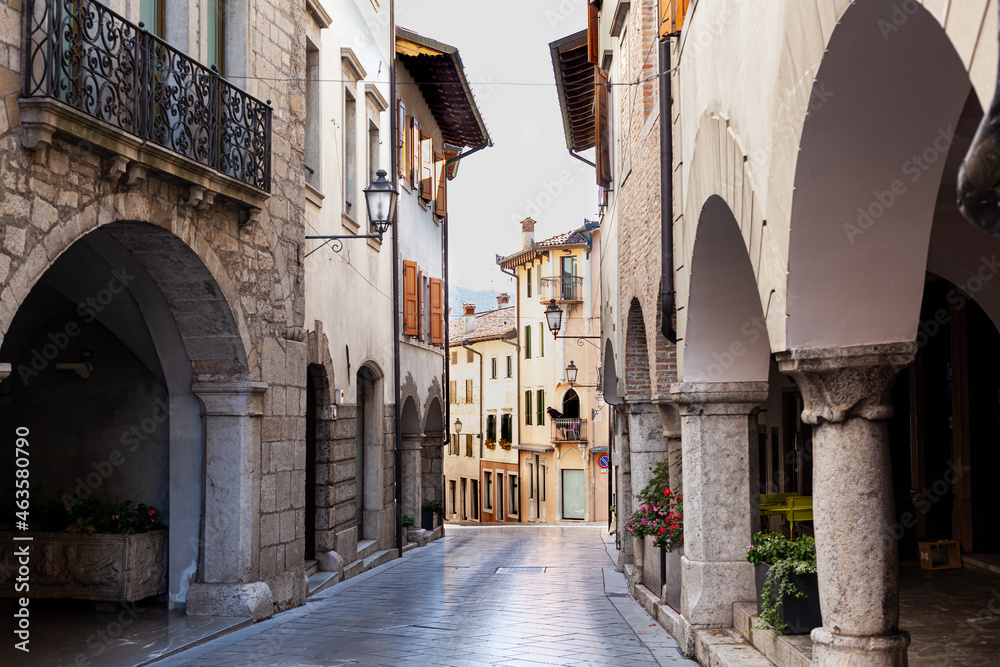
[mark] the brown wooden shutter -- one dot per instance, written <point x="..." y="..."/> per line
<point x="437" y="312"/>
<point x="440" y="185"/>
<point x="593" y="27"/>
<point x="426" y="167"/>
<point x="414" y="173"/>
<point x="410" y="307"/>
<point x="603" y="136"/>
<point x="420" y="305"/>
<point x="401" y="128"/>
<point x="671" y="15"/>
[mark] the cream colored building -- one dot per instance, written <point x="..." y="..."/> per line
<point x="481" y="477"/>
<point x="559" y="459"/>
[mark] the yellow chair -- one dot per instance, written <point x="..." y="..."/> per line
<point x="799" y="508"/>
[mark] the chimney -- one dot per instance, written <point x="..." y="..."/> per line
<point x="527" y="233"/>
<point x="503" y="300"/>
<point x="470" y="316"/>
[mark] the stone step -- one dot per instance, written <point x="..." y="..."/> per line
<point x="322" y="580"/>
<point x="380" y="557"/>
<point x="783" y="650"/>
<point x="312" y="567"/>
<point x="366" y="548"/>
<point x="354" y="569"/>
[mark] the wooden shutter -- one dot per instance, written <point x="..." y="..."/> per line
<point x="437" y="312"/>
<point x="453" y="398"/>
<point x="410" y="307"/>
<point x="540" y="408"/>
<point x="426" y="167"/>
<point x="440" y="185"/>
<point x="527" y="342"/>
<point x="420" y="305"/>
<point x="603" y="135"/>
<point x="593" y="25"/>
<point x="414" y="173"/>
<point x="401" y="128"/>
<point x="672" y="16"/>
<point x="527" y="408"/>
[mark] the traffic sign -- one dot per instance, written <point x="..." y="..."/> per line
<point x="603" y="461"/>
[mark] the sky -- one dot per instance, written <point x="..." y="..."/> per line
<point x="528" y="172"/>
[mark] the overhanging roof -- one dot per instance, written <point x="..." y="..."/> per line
<point x="438" y="70"/>
<point x="575" y="86"/>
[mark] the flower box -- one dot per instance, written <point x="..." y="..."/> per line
<point x="801" y="615"/>
<point x="100" y="567"/>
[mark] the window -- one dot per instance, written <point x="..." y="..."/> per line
<point x="515" y="497"/>
<point x="426" y="167"/>
<point x="527" y="408"/>
<point x="451" y="489"/>
<point x="493" y="368"/>
<point x="373" y="144"/>
<point x="510" y="366"/>
<point x="527" y="341"/>
<point x="500" y="505"/>
<point x="528" y="282"/>
<point x="414" y="158"/>
<point x="475" y="499"/>
<point x="453" y="445"/>
<point x="540" y="407"/>
<point x="470" y="356"/>
<point x="507" y="427"/>
<point x="151" y="15"/>
<point x="453" y="390"/>
<point x="440" y="186"/>
<point x="216" y="33"/>
<point x="454" y="357"/>
<point x="541" y="340"/>
<point x="350" y="154"/>
<point x="463" y="515"/>
<point x="488" y="491"/>
<point x="310" y="157"/>
<point x="538" y="277"/>
<point x="468" y="444"/>
<point x="491" y="427"/>
<point x="402" y="146"/>
<point x="543" y="472"/>
<point x="468" y="392"/>
<point x="531" y="481"/>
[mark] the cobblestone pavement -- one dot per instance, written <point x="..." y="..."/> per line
<point x="443" y="604"/>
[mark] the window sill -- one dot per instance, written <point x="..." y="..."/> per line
<point x="314" y="196"/>
<point x="349" y="223"/>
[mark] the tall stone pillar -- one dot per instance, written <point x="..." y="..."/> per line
<point x="230" y="539"/>
<point x="717" y="419"/>
<point x="412" y="461"/>
<point x="847" y="397"/>
<point x="646" y="443"/>
<point x="670" y="416"/>
<point x="623" y="489"/>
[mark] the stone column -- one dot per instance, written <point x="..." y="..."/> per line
<point x="646" y="443"/>
<point x="226" y="584"/>
<point x="716" y="421"/>
<point x="623" y="491"/>
<point x="847" y="397"/>
<point x="412" y="461"/>
<point x="670" y="416"/>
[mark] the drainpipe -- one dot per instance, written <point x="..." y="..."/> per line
<point x="394" y="133"/>
<point x="979" y="175"/>
<point x="667" y="198"/>
<point x="482" y="406"/>
<point x="582" y="159"/>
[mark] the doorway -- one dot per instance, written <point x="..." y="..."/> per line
<point x="573" y="500"/>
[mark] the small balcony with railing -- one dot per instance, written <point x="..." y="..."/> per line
<point x="564" y="289"/>
<point x="571" y="430"/>
<point x="95" y="77"/>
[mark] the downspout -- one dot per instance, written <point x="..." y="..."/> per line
<point x="482" y="406"/>
<point x="979" y="175"/>
<point x="582" y="159"/>
<point x="667" y="198"/>
<point x="394" y="133"/>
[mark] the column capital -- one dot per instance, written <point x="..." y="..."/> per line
<point x="718" y="398"/>
<point x="229" y="397"/>
<point x="842" y="383"/>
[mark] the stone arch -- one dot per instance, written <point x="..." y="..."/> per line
<point x="409" y="420"/>
<point x="318" y="353"/>
<point x="369" y="465"/>
<point x="726" y="338"/>
<point x="432" y="459"/>
<point x="638" y="383"/>
<point x="434" y="421"/>
<point x="863" y="209"/>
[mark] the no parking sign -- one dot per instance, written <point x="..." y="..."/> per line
<point x="603" y="461"/>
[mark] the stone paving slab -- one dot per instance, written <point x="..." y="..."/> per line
<point x="442" y="605"/>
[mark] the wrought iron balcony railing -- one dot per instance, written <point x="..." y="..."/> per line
<point x="90" y="58"/>
<point x="569" y="430"/>
<point x="561" y="288"/>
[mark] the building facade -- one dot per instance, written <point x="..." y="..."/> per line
<point x="563" y="427"/>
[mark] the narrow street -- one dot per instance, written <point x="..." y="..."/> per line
<point x="446" y="604"/>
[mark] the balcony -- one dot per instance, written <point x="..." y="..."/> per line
<point x="93" y="75"/>
<point x="564" y="289"/>
<point x="569" y="430"/>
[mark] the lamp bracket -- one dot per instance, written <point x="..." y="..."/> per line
<point x="337" y="239"/>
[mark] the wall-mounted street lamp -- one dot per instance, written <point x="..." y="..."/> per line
<point x="380" y="198"/>
<point x="458" y="425"/>
<point x="553" y="317"/>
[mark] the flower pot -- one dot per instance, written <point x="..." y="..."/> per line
<point x="427" y="520"/>
<point x="101" y="567"/>
<point x="801" y="615"/>
<point x="637" y="551"/>
<point x="672" y="580"/>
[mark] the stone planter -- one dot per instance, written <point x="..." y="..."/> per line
<point x="637" y="551"/>
<point x="801" y="615"/>
<point x="672" y="579"/>
<point x="106" y="568"/>
<point x="427" y="520"/>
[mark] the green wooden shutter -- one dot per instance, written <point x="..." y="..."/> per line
<point x="540" y="408"/>
<point x="527" y="408"/>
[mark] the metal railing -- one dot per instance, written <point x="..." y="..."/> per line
<point x="569" y="430"/>
<point x="88" y="57"/>
<point x="562" y="288"/>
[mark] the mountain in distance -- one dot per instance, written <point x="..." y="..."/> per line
<point x="484" y="300"/>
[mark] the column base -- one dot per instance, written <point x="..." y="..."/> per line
<point x="251" y="600"/>
<point x="709" y="589"/>
<point x="830" y="650"/>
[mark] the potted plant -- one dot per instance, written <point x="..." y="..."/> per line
<point x="96" y="550"/>
<point x="787" y="586"/>
<point x="428" y="509"/>
<point x="490" y="444"/>
<point x="505" y="444"/>
<point x="660" y="517"/>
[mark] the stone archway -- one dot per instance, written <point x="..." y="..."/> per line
<point x="432" y="460"/>
<point x="369" y="469"/>
<point x="412" y="441"/>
